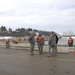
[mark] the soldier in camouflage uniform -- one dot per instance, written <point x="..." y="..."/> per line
<point x="52" y="44"/>
<point x="7" y="43"/>
<point x="32" y="43"/>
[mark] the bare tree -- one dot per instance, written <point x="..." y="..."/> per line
<point x="68" y="33"/>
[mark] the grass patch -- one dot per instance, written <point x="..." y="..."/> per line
<point x="21" y="46"/>
<point x="62" y="53"/>
<point x="57" y="53"/>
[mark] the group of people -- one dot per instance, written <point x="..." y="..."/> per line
<point x="53" y="40"/>
<point x="40" y="42"/>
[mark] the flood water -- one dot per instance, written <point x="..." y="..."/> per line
<point x="64" y="41"/>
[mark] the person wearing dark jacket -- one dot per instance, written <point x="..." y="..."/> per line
<point x="56" y="41"/>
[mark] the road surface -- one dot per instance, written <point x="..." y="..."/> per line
<point x="20" y="62"/>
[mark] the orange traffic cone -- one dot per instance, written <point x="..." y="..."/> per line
<point x="74" y="51"/>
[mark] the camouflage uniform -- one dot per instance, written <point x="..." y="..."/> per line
<point x="52" y="44"/>
<point x="7" y="43"/>
<point x="32" y="43"/>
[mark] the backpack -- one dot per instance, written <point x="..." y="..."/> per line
<point x="39" y="38"/>
<point x="56" y="39"/>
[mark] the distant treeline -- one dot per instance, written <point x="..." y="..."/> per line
<point x="19" y="32"/>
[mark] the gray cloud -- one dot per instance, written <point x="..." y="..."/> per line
<point x="57" y="15"/>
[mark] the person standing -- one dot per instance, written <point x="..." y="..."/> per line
<point x="56" y="42"/>
<point x="40" y="42"/>
<point x="52" y="44"/>
<point x="7" y="43"/>
<point x="70" y="42"/>
<point x="32" y="43"/>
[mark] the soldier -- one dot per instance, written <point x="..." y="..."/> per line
<point x="52" y="44"/>
<point x="56" y="42"/>
<point x="7" y="43"/>
<point x="32" y="43"/>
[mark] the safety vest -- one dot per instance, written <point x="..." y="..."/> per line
<point x="70" y="40"/>
<point x="39" y="38"/>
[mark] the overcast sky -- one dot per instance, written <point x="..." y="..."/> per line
<point x="48" y="15"/>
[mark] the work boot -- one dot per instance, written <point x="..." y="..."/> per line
<point x="48" y="55"/>
<point x="31" y="53"/>
<point x="40" y="52"/>
<point x="53" y="55"/>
